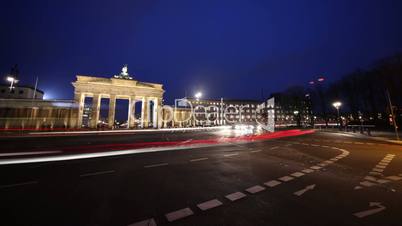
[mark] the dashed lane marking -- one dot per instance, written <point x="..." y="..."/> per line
<point x="316" y="167"/>
<point x="307" y="171"/>
<point x="197" y="160"/>
<point x="179" y="214"/>
<point x="235" y="196"/>
<point x="97" y="173"/>
<point x="156" y="165"/>
<point x="370" y="181"/>
<point x="254" y="151"/>
<point x="148" y="222"/>
<point x="272" y="183"/>
<point x="286" y="178"/>
<point x="230" y="155"/>
<point x="18" y="184"/>
<point x="273" y="148"/>
<point x="255" y="189"/>
<point x="297" y="174"/>
<point x="394" y="178"/>
<point x="209" y="204"/>
<point x="182" y="213"/>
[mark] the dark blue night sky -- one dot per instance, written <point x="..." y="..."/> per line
<point x="224" y="48"/>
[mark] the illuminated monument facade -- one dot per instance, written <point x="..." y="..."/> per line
<point x="36" y="113"/>
<point x="121" y="86"/>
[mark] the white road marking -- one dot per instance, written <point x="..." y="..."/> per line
<point x="301" y="192"/>
<point x="196" y="160"/>
<point x="272" y="183"/>
<point x="273" y="148"/>
<point x="255" y="189"/>
<point x="297" y="174"/>
<point x="307" y="171"/>
<point x="255" y="151"/>
<point x="378" y="170"/>
<point x="382" y="181"/>
<point x="370" y="178"/>
<point x="179" y="214"/>
<point x="316" y="167"/>
<point x="97" y="173"/>
<point x="18" y="184"/>
<point x="394" y="178"/>
<point x="209" y="204"/>
<point x="229" y="155"/>
<point x="156" y="165"/>
<point x="370" y="211"/>
<point x="286" y="178"/>
<point x="29" y="153"/>
<point x="367" y="183"/>
<point x="148" y="222"/>
<point x="235" y="196"/>
<point x="375" y="173"/>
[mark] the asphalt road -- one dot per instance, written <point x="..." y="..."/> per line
<point x="315" y="179"/>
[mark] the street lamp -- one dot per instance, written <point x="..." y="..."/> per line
<point x="198" y="95"/>
<point x="12" y="81"/>
<point x="337" y="105"/>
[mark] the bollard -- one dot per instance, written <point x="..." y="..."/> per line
<point x="368" y="131"/>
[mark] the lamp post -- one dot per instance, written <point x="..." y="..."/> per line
<point x="337" y="105"/>
<point x="296" y="113"/>
<point x="12" y="81"/>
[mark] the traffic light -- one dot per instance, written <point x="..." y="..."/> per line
<point x="391" y="120"/>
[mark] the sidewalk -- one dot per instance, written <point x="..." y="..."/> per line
<point x="375" y="135"/>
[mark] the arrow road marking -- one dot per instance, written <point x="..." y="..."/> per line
<point x="369" y="212"/>
<point x="301" y="192"/>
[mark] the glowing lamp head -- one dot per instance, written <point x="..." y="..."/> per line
<point x="321" y="79"/>
<point x="10" y="79"/>
<point x="337" y="104"/>
<point x="198" y="95"/>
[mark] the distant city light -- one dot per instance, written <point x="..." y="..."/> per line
<point x="198" y="95"/>
<point x="321" y="79"/>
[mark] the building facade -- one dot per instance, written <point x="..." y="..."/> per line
<point x="20" y="92"/>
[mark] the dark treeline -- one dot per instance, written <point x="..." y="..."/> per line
<point x="363" y="94"/>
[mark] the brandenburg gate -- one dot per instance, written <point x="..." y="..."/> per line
<point x="119" y="87"/>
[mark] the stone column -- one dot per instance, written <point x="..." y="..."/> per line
<point x="145" y="112"/>
<point x="96" y="100"/>
<point x="131" y="112"/>
<point x="159" y="114"/>
<point x="112" y="108"/>
<point x="155" y="113"/>
<point x="79" y="100"/>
